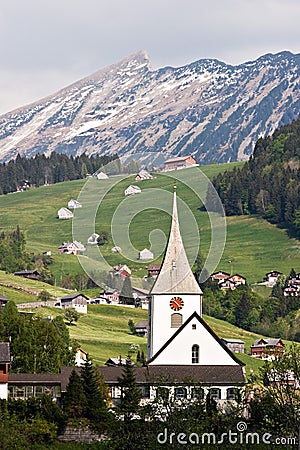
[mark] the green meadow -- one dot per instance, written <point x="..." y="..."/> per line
<point x="252" y="248"/>
<point x="104" y="332"/>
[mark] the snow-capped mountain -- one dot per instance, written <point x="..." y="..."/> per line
<point x="210" y="109"/>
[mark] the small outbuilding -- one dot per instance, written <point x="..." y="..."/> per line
<point x="102" y="176"/>
<point x="73" y="204"/>
<point x="65" y="213"/>
<point x="132" y="190"/>
<point x="145" y="254"/>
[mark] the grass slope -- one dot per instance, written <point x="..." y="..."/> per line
<point x="253" y="246"/>
<point x="104" y="332"/>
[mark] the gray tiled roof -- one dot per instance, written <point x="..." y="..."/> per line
<point x="4" y="352"/>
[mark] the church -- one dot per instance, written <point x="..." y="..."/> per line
<point x="185" y="356"/>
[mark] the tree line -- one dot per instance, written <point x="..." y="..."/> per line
<point x="268" y="184"/>
<point x="22" y="172"/>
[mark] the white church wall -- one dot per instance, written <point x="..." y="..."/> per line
<point x="179" y="351"/>
<point x="161" y="312"/>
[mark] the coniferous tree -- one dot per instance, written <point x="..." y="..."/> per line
<point x="96" y="398"/>
<point x="75" y="401"/>
<point x="130" y="393"/>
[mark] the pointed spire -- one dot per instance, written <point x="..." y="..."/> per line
<point x="175" y="275"/>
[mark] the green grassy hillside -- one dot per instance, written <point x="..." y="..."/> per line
<point x="104" y="332"/>
<point x="253" y="246"/>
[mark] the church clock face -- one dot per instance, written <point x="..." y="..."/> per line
<point x="176" y="303"/>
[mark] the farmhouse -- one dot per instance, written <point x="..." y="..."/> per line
<point x="266" y="348"/>
<point x="110" y="295"/>
<point x="76" y="301"/>
<point x="153" y="270"/>
<point x="272" y="277"/>
<point x="31" y="274"/>
<point x="141" y="328"/>
<point x="122" y="270"/>
<point x="64" y="213"/>
<point x="220" y="276"/>
<point x="237" y="279"/>
<point x="179" y="163"/>
<point x="71" y="248"/>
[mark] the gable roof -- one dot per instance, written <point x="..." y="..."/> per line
<point x="195" y="315"/>
<point x="175" y="275"/>
<point x="73" y="296"/>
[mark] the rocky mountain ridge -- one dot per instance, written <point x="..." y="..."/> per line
<point x="210" y="109"/>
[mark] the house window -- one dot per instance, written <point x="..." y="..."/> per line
<point x="195" y="354"/>
<point x="197" y="393"/>
<point x="194" y="326"/>
<point x="176" y="320"/>
<point x="145" y="391"/>
<point x="215" y="394"/>
<point x="231" y="394"/>
<point x="180" y="393"/>
<point x="162" y="393"/>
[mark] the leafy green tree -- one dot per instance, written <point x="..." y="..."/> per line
<point x="71" y="315"/>
<point x="131" y="326"/>
<point x="277" y="403"/>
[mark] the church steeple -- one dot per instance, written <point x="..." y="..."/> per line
<point x="175" y="276"/>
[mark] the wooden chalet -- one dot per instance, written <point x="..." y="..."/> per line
<point x="31" y="274"/>
<point x="180" y="162"/>
<point x="265" y="348"/>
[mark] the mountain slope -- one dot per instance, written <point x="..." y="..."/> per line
<point x="213" y="110"/>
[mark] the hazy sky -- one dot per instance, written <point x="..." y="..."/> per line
<point x="46" y="45"/>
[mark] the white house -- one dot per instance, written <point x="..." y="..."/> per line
<point x="73" y="204"/>
<point x="93" y="239"/>
<point x="80" y="357"/>
<point x="145" y="254"/>
<point x="64" y="213"/>
<point x="71" y="248"/>
<point x="132" y="190"/>
<point x="102" y="176"/>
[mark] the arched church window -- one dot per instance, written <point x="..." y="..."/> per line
<point x="176" y="320"/>
<point x="195" y="354"/>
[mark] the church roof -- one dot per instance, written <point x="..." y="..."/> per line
<point x="175" y="274"/>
